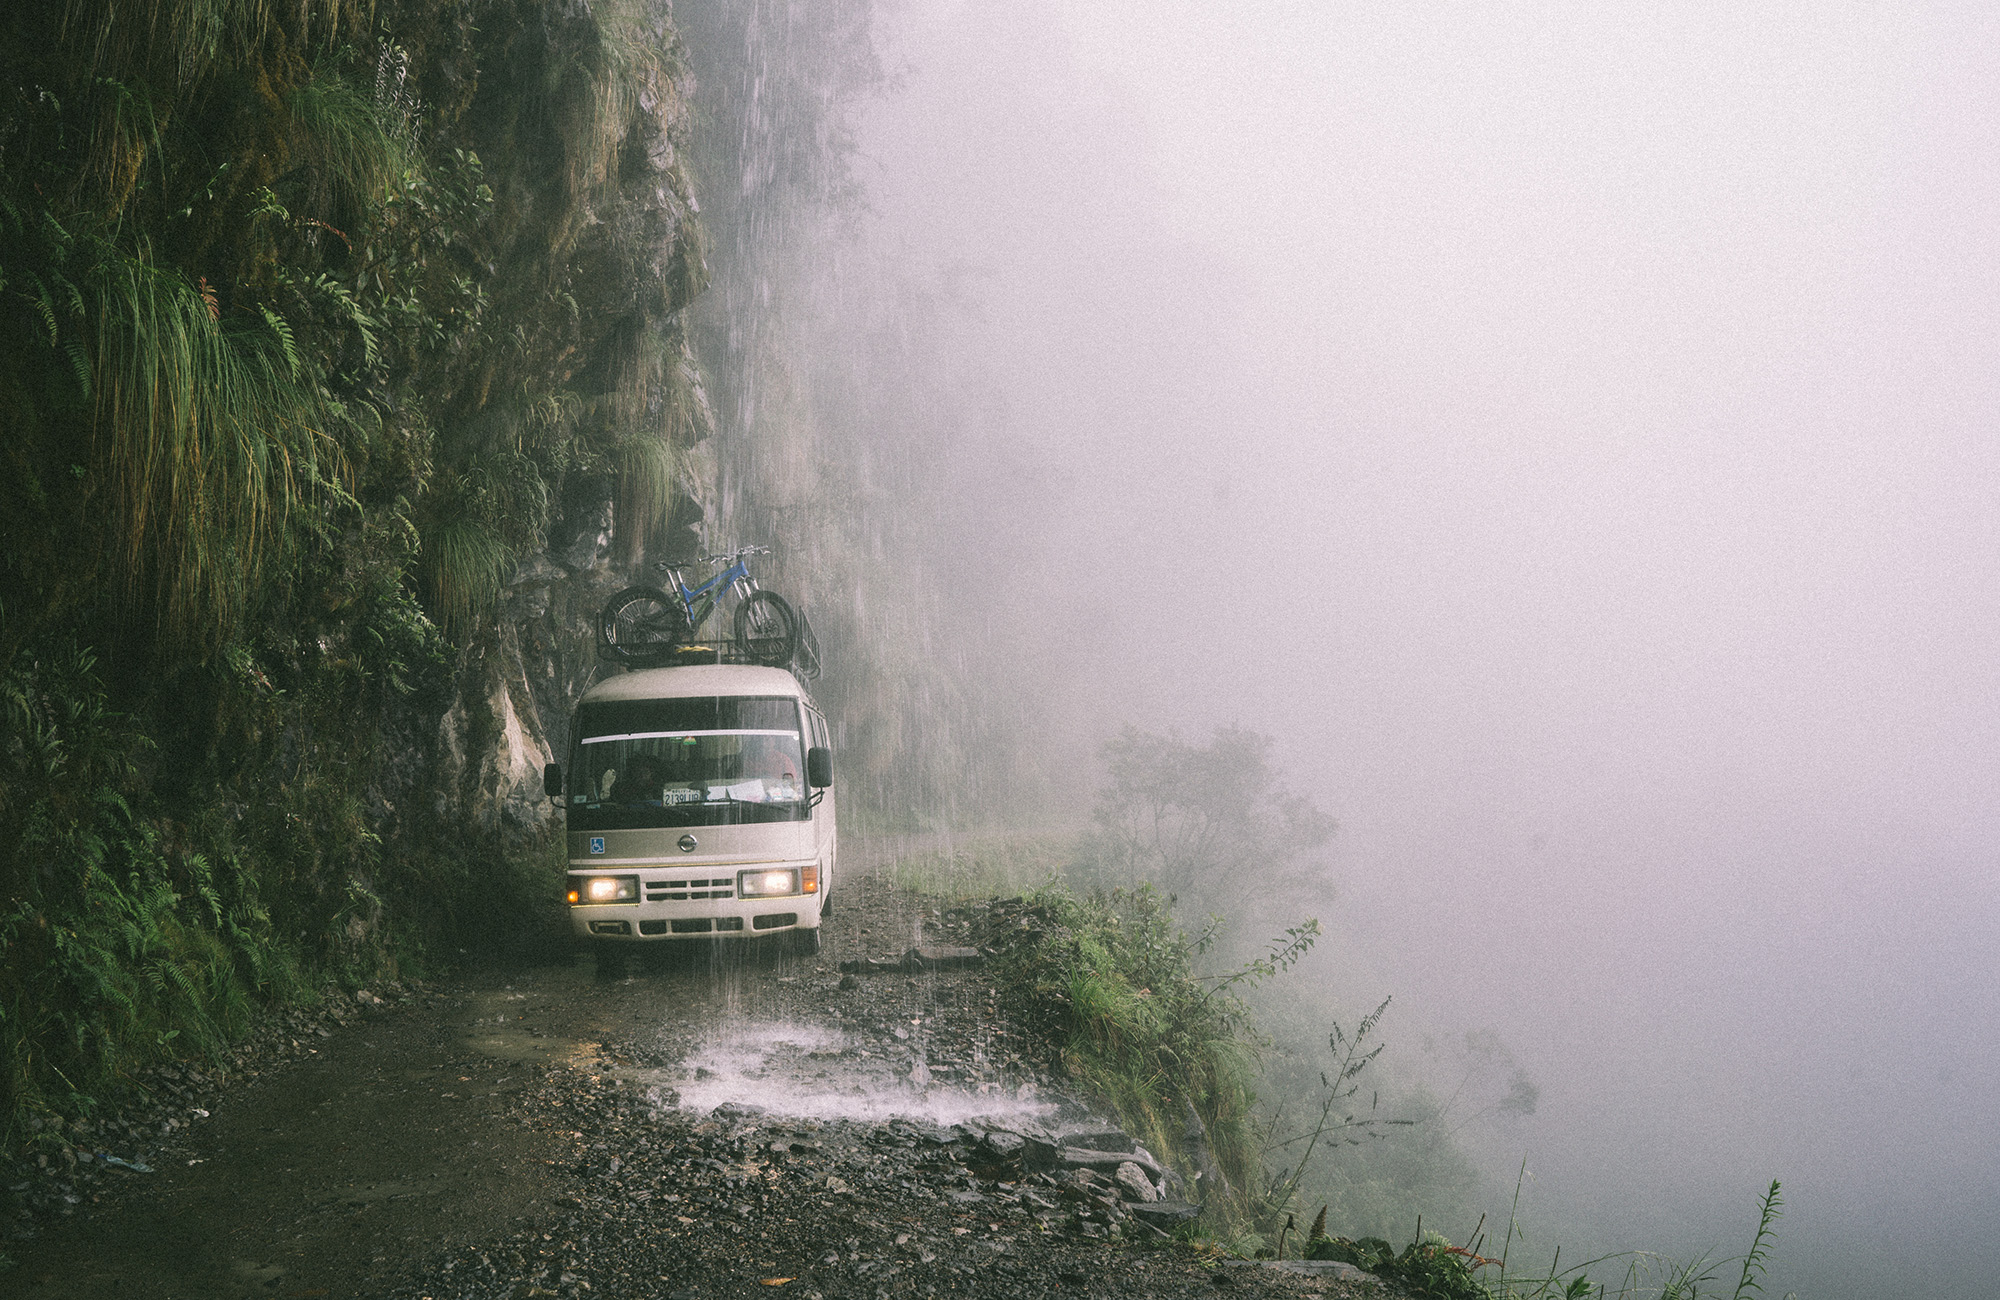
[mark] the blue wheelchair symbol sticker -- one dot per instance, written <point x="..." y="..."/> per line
<point x="597" y="844"/>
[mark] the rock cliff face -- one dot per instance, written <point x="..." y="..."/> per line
<point x="519" y="679"/>
<point x="517" y="683"/>
<point x="619" y="193"/>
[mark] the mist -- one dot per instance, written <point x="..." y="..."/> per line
<point x="1566" y="431"/>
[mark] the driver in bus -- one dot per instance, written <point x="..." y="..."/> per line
<point x="639" y="782"/>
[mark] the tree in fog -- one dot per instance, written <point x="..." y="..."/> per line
<point x="1210" y="825"/>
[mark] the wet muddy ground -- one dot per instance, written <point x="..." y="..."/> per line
<point x="719" y="1124"/>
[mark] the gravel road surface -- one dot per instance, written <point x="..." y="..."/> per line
<point x="725" y="1123"/>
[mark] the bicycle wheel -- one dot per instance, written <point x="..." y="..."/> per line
<point x="767" y="632"/>
<point x="641" y="625"/>
<point x="808" y="655"/>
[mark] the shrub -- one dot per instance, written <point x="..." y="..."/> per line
<point x="1115" y="982"/>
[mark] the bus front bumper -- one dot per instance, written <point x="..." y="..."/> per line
<point x="665" y="908"/>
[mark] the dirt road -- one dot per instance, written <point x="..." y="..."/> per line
<point x="716" y="1127"/>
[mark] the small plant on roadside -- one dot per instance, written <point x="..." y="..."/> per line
<point x="1338" y="1121"/>
<point x="1429" y="1268"/>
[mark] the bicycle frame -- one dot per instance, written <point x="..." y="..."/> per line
<point x="699" y="602"/>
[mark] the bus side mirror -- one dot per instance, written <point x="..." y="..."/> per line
<point x="819" y="767"/>
<point x="552" y="782"/>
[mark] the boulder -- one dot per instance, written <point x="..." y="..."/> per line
<point x="1009" y="1152"/>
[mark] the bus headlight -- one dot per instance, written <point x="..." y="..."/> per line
<point x="603" y="889"/>
<point x="766" y="884"/>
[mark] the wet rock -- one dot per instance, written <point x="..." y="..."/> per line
<point x="1132" y="1181"/>
<point x="1322" y="1268"/>
<point x="1004" y="1153"/>
<point x="1106" y="1161"/>
<point x="1099" y="1139"/>
<point x="1003" y="1145"/>
<point x="872" y="966"/>
<point x="1165" y="1215"/>
<point x="1083" y="1186"/>
<point x="1207" y="1173"/>
<point x="924" y="958"/>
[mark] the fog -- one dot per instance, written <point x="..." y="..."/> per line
<point x="1567" y="431"/>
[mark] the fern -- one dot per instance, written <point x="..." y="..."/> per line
<point x="79" y="364"/>
<point x="283" y="333"/>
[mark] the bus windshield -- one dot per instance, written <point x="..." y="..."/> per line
<point x="705" y="761"/>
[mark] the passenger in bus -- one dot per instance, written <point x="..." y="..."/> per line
<point x="775" y="764"/>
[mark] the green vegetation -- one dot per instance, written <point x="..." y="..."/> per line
<point x="1114" y="983"/>
<point x="122" y="941"/>
<point x="1645" y="1276"/>
<point x="1178" y="1032"/>
<point x="1430" y="1267"/>
<point x="315" y="319"/>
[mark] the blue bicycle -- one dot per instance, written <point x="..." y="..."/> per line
<point x="646" y="625"/>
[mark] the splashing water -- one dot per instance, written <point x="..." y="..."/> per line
<point x="818" y="1072"/>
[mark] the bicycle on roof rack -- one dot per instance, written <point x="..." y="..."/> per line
<point x="648" y="625"/>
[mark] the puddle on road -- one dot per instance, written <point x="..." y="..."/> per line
<point x="505" y="1028"/>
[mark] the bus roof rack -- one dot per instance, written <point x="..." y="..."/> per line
<point x="699" y="652"/>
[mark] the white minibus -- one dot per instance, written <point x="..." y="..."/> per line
<point x="699" y="803"/>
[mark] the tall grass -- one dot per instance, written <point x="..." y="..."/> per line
<point x="135" y="67"/>
<point x="353" y="147"/>
<point x="462" y="564"/>
<point x="205" y="438"/>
